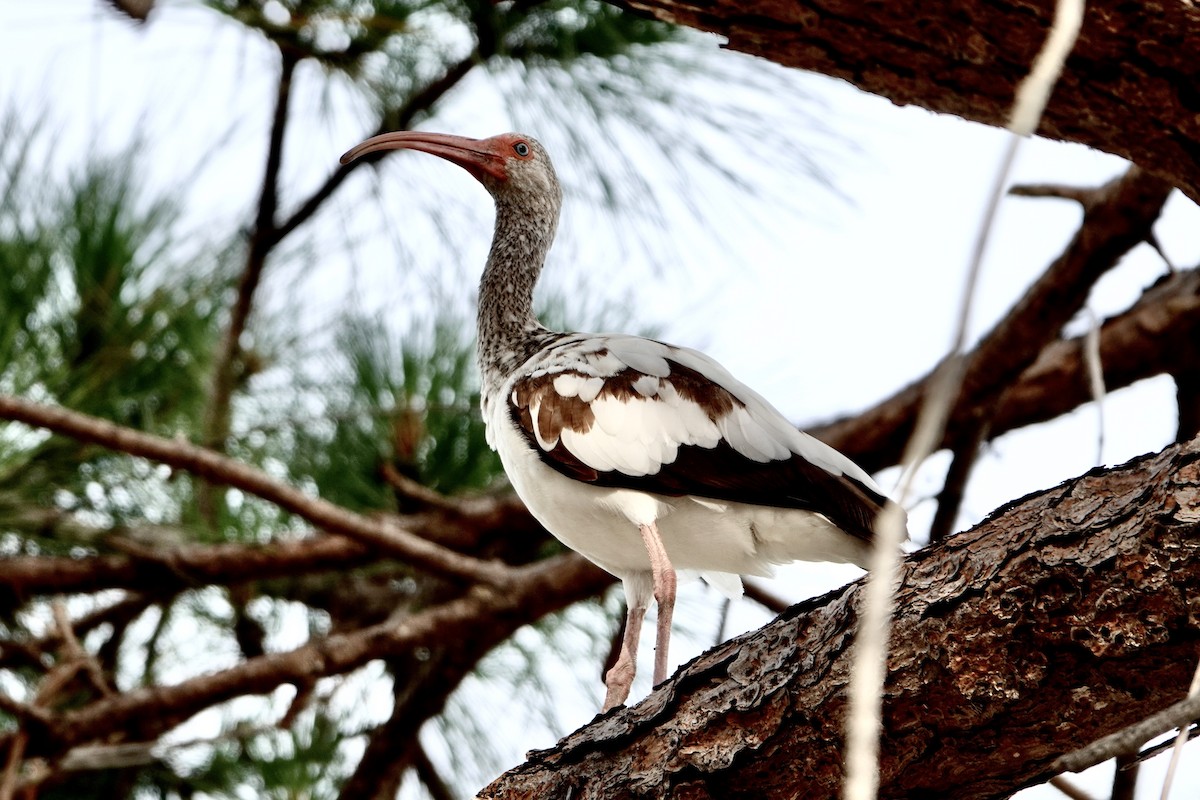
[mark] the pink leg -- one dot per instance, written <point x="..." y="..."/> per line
<point x="620" y="676"/>
<point x="664" y="595"/>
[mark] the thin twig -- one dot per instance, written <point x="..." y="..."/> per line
<point x="403" y="117"/>
<point x="871" y="642"/>
<point x="23" y="711"/>
<point x="75" y="651"/>
<point x="1155" y="750"/>
<point x="966" y="453"/>
<point x="1125" y="777"/>
<point x="1069" y="789"/>
<point x="262" y="240"/>
<point x="722" y="619"/>
<point x="1130" y="738"/>
<point x="428" y="774"/>
<point x="1187" y="402"/>
<point x="1180" y="739"/>
<point x="12" y="767"/>
<point x="1085" y="196"/>
<point x="1095" y="372"/>
<point x="415" y="490"/>
<point x="89" y="758"/>
<point x="305" y="692"/>
<point x="1034" y="91"/>
<point x="771" y="602"/>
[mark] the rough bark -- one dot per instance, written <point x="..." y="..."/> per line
<point x="1129" y="87"/>
<point x="1065" y="616"/>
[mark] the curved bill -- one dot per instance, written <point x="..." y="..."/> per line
<point x="477" y="156"/>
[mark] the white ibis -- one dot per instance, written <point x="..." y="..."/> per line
<point x="644" y="457"/>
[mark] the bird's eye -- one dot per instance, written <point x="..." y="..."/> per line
<point x="521" y="149"/>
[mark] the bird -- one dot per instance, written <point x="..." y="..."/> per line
<point x="647" y="458"/>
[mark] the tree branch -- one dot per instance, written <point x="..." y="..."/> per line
<point x="1076" y="599"/>
<point x="1126" y="741"/>
<point x="262" y="240"/>
<point x="401" y="119"/>
<point x="179" y="568"/>
<point x="1131" y="63"/>
<point x="1117" y="217"/>
<point x="1157" y="335"/>
<point x="483" y="616"/>
<point x="380" y="533"/>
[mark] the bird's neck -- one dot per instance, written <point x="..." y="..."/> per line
<point x="509" y="333"/>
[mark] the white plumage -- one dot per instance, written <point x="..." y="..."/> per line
<point x="642" y="435"/>
<point x="644" y="457"/>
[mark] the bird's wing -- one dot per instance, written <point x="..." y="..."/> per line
<point x="623" y="411"/>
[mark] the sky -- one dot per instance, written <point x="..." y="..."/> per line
<point x="824" y="301"/>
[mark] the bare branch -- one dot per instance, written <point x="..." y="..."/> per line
<point x="402" y="118"/>
<point x="483" y="617"/>
<point x="1125" y="778"/>
<point x="1158" y="335"/>
<point x="75" y="652"/>
<point x="1085" y="196"/>
<point x="263" y="238"/>
<point x="1180" y="740"/>
<point x="1069" y="789"/>
<point x="380" y="533"/>
<point x="180" y="568"/>
<point x="413" y="490"/>
<point x="1127" y="740"/>
<point x="430" y="779"/>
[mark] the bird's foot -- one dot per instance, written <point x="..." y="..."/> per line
<point x="618" y="680"/>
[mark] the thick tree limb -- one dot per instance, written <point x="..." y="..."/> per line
<point x="1066" y="615"/>
<point x="1128" y="87"/>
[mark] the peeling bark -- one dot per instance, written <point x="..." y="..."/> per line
<point x="1066" y="615"/>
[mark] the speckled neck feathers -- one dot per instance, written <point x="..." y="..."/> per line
<point x="527" y="208"/>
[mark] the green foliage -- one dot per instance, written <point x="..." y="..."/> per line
<point x="401" y="50"/>
<point x="408" y="404"/>
<point x="560" y="31"/>
<point x="104" y="297"/>
<point x="297" y="763"/>
<point x="107" y="309"/>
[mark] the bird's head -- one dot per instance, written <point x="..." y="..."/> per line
<point x="509" y="166"/>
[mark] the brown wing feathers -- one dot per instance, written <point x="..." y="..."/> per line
<point x="717" y="473"/>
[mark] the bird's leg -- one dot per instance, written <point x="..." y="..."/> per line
<point x="664" y="595"/>
<point x="619" y="677"/>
